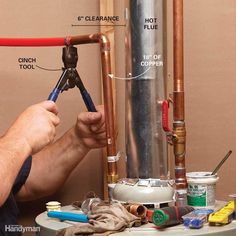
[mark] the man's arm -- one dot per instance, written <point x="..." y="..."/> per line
<point x="52" y="166"/>
<point x="13" y="153"/>
<point x="24" y="137"/>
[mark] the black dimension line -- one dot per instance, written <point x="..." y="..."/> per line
<point x="43" y="68"/>
<point x="98" y="25"/>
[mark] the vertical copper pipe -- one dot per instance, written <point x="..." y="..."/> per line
<point x="109" y="113"/>
<point x="178" y="103"/>
<point x="108" y="97"/>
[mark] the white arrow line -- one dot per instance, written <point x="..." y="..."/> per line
<point x="129" y="78"/>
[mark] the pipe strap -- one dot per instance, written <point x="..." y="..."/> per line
<point x="114" y="158"/>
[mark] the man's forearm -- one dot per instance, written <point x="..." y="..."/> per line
<point x="52" y="166"/>
<point x="13" y="153"/>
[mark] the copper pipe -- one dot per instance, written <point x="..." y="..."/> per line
<point x="108" y="97"/>
<point x="137" y="210"/>
<point x="179" y="131"/>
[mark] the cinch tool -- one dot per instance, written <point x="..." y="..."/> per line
<point x="223" y="215"/>
<point x="70" y="78"/>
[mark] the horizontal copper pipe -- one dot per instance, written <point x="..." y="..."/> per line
<point x="179" y="130"/>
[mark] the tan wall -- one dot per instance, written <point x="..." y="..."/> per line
<point x="20" y="88"/>
<point x="210" y="73"/>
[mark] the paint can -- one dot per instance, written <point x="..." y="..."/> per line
<point x="201" y="189"/>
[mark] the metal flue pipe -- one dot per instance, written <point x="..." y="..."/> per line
<point x="179" y="131"/>
<point x="102" y="39"/>
<point x="146" y="146"/>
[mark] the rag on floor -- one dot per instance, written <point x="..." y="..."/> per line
<point x="104" y="219"/>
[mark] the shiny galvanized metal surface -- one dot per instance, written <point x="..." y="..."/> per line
<point x="146" y="145"/>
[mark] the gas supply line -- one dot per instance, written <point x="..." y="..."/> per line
<point x="69" y="41"/>
<point x="177" y="136"/>
<point x="179" y="131"/>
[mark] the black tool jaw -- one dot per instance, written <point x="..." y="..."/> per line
<point x="69" y="57"/>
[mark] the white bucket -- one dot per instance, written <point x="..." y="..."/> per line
<point x="201" y="189"/>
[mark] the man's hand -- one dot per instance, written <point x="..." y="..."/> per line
<point x="90" y="128"/>
<point x="35" y="127"/>
<point x="64" y="155"/>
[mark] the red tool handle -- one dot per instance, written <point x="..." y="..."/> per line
<point x="165" y="116"/>
<point x="149" y="215"/>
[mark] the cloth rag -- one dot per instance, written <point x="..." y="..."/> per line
<point x="104" y="219"/>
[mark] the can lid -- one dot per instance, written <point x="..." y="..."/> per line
<point x="159" y="217"/>
<point x="53" y="203"/>
<point x="200" y="174"/>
